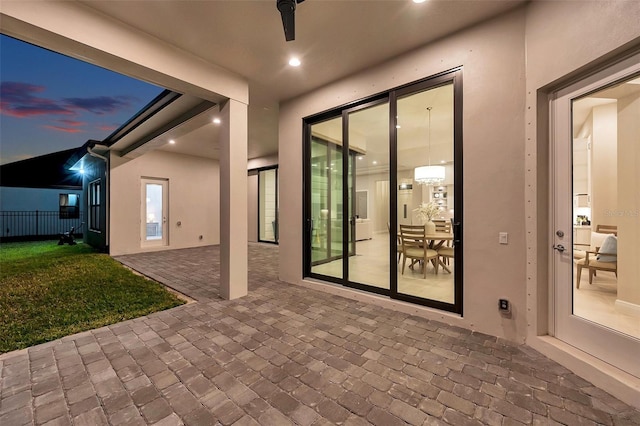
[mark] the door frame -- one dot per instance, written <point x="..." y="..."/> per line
<point x="590" y="337"/>
<point x="453" y="76"/>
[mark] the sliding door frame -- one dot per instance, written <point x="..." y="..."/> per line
<point x="453" y="76"/>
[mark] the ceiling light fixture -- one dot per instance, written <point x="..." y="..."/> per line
<point x="171" y="141"/>
<point x="216" y="120"/>
<point x="429" y="175"/>
<point x="294" y="62"/>
<point x="419" y="1"/>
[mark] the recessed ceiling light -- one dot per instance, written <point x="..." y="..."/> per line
<point x="360" y="157"/>
<point x="294" y="62"/>
<point x="216" y="120"/>
<point x="171" y="141"/>
<point x="374" y="162"/>
<point x="419" y="1"/>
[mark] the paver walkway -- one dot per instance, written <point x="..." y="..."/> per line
<point x="287" y="355"/>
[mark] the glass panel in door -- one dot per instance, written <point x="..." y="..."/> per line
<point x="154" y="212"/>
<point x="327" y="210"/>
<point x="606" y="207"/>
<point x="268" y="205"/>
<point x="368" y="200"/>
<point x="425" y="176"/>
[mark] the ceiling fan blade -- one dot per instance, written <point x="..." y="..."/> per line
<point x="287" y="10"/>
<point x="289" y="25"/>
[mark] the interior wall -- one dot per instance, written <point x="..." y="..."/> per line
<point x="492" y="57"/>
<point x="628" y="212"/>
<point x="194" y="200"/>
<point x="604" y="165"/>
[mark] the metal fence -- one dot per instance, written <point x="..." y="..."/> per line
<point x="37" y="225"/>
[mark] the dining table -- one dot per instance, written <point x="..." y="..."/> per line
<point x="437" y="240"/>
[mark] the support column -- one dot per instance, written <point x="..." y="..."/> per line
<point x="233" y="200"/>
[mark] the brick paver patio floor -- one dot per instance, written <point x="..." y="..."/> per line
<point x="287" y="355"/>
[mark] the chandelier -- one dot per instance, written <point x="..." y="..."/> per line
<point x="429" y="175"/>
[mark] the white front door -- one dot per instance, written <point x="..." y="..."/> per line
<point x="154" y="220"/>
<point x="595" y="179"/>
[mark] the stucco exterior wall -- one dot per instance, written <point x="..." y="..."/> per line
<point x="194" y="200"/>
<point x="492" y="57"/>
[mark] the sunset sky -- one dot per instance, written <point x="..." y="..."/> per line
<point x="50" y="102"/>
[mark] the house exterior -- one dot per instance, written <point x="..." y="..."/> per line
<point x="509" y="78"/>
<point x="40" y="197"/>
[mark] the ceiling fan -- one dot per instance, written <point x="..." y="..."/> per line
<point x="287" y="10"/>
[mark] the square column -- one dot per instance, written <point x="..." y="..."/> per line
<point x="233" y="200"/>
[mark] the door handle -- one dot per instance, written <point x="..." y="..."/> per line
<point x="559" y="247"/>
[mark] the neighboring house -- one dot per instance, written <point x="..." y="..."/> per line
<point x="40" y="197"/>
<point x="533" y="71"/>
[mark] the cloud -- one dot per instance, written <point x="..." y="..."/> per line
<point x="73" y="123"/>
<point x="107" y="127"/>
<point x="23" y="100"/>
<point x="100" y="105"/>
<point x="19" y="100"/>
<point x="63" y="129"/>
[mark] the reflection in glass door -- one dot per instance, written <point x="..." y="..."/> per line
<point x="327" y="210"/>
<point x="154" y="212"/>
<point x="597" y="214"/>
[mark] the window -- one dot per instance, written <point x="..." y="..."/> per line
<point x="69" y="206"/>
<point x="94" y="205"/>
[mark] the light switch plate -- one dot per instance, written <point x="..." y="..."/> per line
<point x="503" y="238"/>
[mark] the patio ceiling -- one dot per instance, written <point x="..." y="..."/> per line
<point x="334" y="39"/>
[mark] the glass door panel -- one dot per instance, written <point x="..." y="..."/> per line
<point x="268" y="205"/>
<point x="327" y="210"/>
<point x="154" y="212"/>
<point x="425" y="177"/>
<point x="605" y="213"/>
<point x="369" y="208"/>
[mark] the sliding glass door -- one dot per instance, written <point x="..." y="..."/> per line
<point x="362" y="182"/>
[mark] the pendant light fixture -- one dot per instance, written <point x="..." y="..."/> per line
<point x="429" y="175"/>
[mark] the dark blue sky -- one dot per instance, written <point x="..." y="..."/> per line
<point x="50" y="102"/>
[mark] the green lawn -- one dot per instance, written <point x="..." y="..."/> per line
<point x="49" y="291"/>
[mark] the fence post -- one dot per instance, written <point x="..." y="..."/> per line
<point x="37" y="233"/>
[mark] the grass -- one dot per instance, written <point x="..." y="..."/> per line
<point x="49" y="291"/>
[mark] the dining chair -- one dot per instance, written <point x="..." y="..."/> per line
<point x="415" y="246"/>
<point x="603" y="258"/>
<point x="446" y="253"/>
<point x="398" y="243"/>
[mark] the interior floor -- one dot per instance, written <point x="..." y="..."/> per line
<point x="597" y="302"/>
<point x="370" y="266"/>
